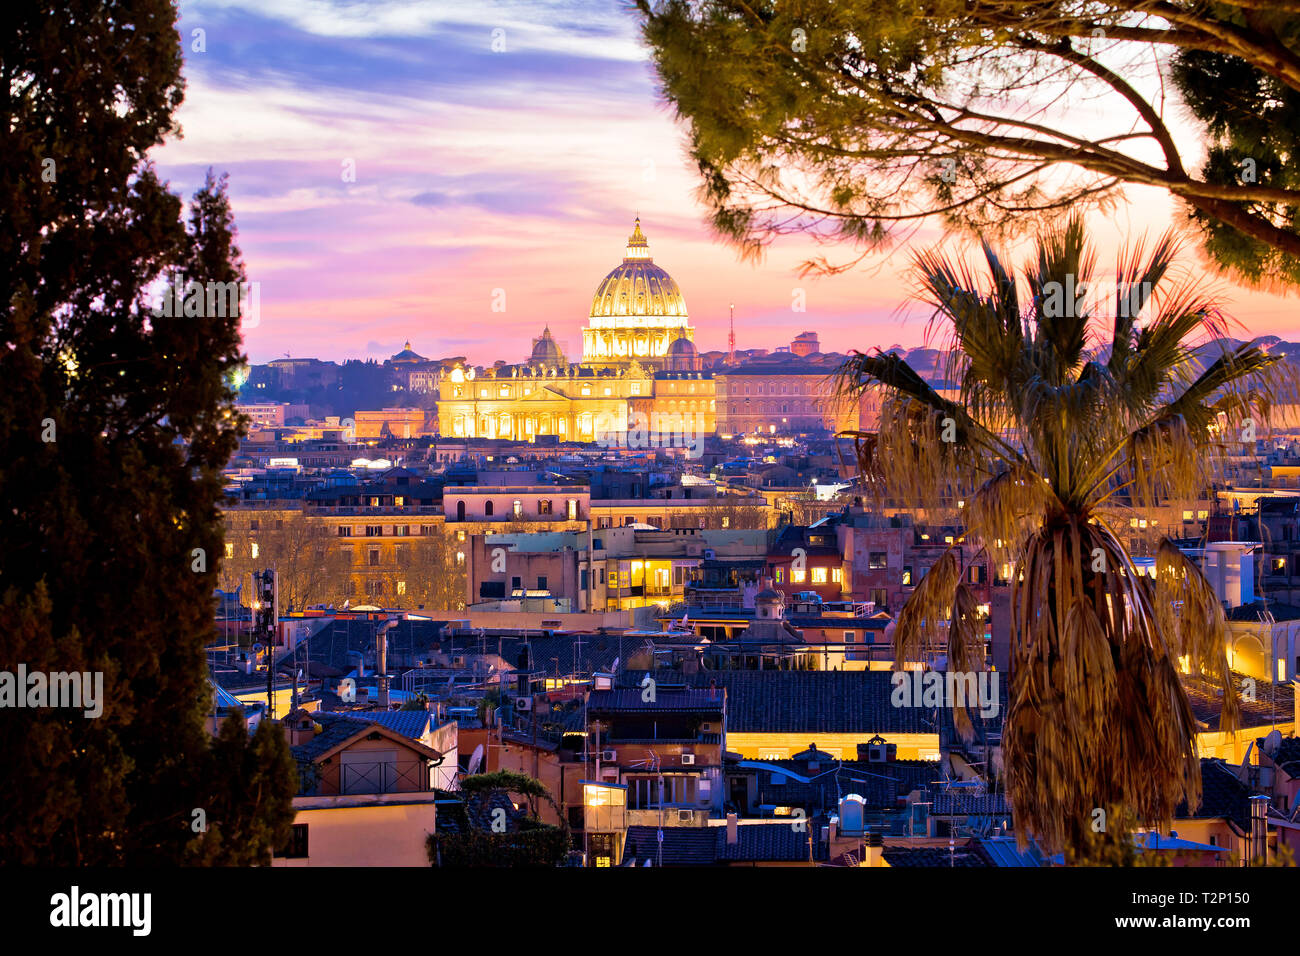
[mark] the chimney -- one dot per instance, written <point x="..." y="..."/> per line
<point x="381" y="661"/>
<point x="1258" y="830"/>
<point x="874" y="851"/>
<point x="733" y="830"/>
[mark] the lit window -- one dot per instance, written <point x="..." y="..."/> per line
<point x="254" y="549"/>
<point x="798" y="575"/>
<point x="837" y="575"/>
<point x="518" y="508"/>
<point x="819" y="575"/>
<point x="401" y="588"/>
<point x="230" y="550"/>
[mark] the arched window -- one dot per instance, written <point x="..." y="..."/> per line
<point x="487" y="508"/>
<point x="460" y="511"/>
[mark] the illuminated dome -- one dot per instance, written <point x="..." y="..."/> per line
<point x="407" y="355"/>
<point x="682" y="356"/>
<point x="637" y="312"/>
<point x="638" y="287"/>
<point x="682" y="348"/>
<point x="546" y="351"/>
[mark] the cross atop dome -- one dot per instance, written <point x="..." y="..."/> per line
<point x="638" y="247"/>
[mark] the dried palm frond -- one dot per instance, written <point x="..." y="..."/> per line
<point x="965" y="650"/>
<point x="924" y="619"/>
<point x="1191" y="616"/>
<point x="1002" y="512"/>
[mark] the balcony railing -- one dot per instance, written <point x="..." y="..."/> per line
<point x="365" y="511"/>
<point x="372" y="777"/>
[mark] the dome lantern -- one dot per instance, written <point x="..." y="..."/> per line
<point x="638" y="247"/>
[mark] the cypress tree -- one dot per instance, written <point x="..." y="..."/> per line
<point x="114" y="425"/>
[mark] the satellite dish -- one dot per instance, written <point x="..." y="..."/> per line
<point x="475" y="760"/>
<point x="1272" y="743"/>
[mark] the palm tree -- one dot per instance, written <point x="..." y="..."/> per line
<point x="1061" y="423"/>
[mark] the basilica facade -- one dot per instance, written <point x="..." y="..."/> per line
<point x="640" y="371"/>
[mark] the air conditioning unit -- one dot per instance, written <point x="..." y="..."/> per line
<point x="523" y="703"/>
<point x="685" y="816"/>
<point x="609" y="756"/>
<point x="688" y="760"/>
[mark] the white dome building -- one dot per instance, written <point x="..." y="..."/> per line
<point x="637" y="313"/>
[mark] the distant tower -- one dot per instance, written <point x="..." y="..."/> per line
<point x="805" y="344"/>
<point x="731" y="338"/>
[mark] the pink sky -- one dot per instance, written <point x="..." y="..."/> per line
<point x="477" y="170"/>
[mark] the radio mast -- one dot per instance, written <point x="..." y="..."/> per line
<point x="731" y="338"/>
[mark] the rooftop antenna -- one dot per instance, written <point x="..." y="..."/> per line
<point x="731" y="337"/>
